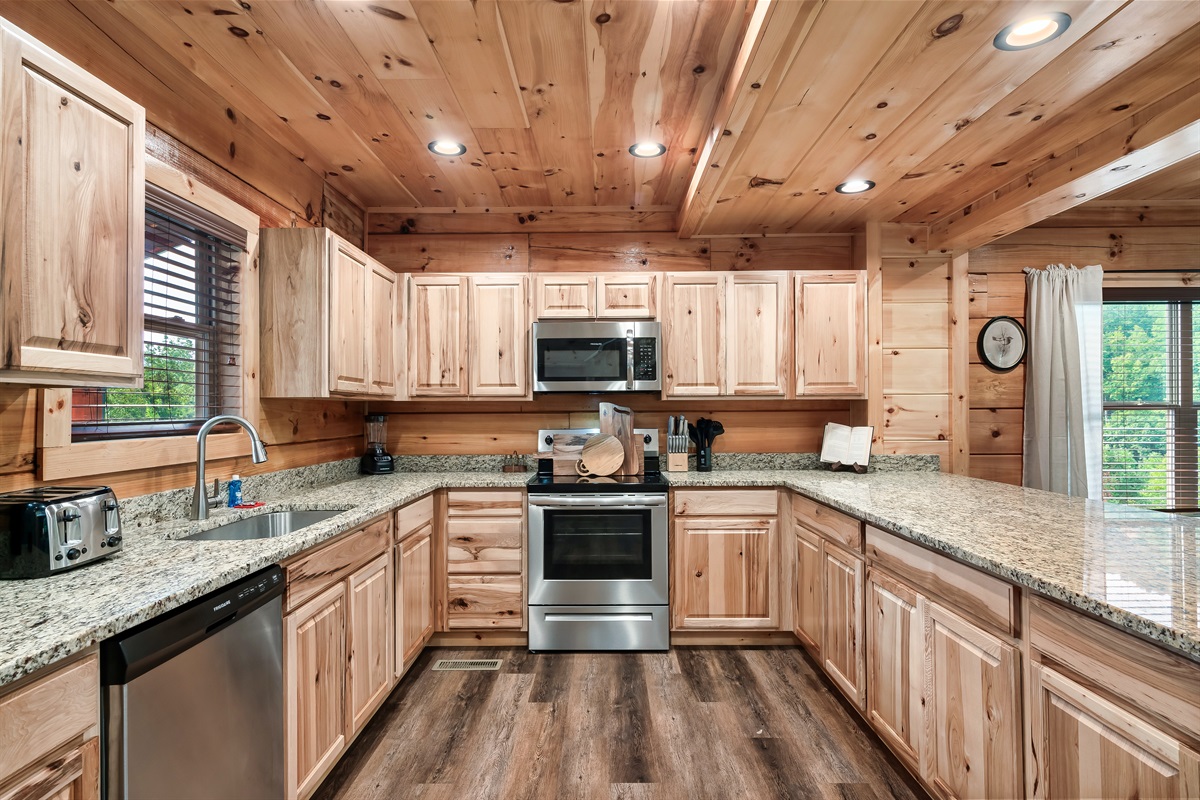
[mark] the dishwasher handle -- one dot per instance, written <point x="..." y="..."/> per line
<point x="140" y="649"/>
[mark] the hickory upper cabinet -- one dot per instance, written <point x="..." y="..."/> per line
<point x="726" y="334"/>
<point x="73" y="224"/>
<point x="626" y="295"/>
<point x="831" y="334"/>
<point x="468" y="336"/>
<point x="331" y="317"/>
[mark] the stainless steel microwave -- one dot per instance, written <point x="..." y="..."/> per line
<point x="606" y="356"/>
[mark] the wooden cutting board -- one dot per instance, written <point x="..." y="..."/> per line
<point x="618" y="420"/>
<point x="602" y="455"/>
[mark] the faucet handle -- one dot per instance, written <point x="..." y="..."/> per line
<point x="216" y="495"/>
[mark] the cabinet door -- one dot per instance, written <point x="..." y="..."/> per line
<point x="499" y="338"/>
<point x="895" y="658"/>
<point x="841" y="631"/>
<point x="484" y="602"/>
<point x="370" y="626"/>
<point x="315" y="680"/>
<point x="627" y="295"/>
<point x="73" y="223"/>
<point x="437" y="336"/>
<point x="807" y="588"/>
<point x="724" y="573"/>
<point x="414" y="595"/>
<point x="72" y="776"/>
<point x="831" y="333"/>
<point x="694" y="334"/>
<point x="382" y="331"/>
<point x="564" y="296"/>
<point x="757" y="340"/>
<point x="1091" y="747"/>
<point x="973" y="711"/>
<point x="349" y="276"/>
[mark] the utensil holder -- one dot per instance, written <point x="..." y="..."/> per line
<point x="677" y="462"/>
<point x="704" y="459"/>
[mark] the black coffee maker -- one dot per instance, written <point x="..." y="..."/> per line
<point x="377" y="460"/>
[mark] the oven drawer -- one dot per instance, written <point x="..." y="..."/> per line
<point x="599" y="628"/>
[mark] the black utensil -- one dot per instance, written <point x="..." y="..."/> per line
<point x="715" y="430"/>
<point x="694" y="434"/>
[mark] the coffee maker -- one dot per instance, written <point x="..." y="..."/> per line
<point x="377" y="460"/>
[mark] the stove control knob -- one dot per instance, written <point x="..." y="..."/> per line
<point x="549" y="440"/>
<point x="73" y="554"/>
<point x="646" y="438"/>
<point x="113" y="541"/>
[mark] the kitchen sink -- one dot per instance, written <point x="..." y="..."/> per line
<point x="264" y="526"/>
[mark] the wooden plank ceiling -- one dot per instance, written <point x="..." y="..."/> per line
<point x="764" y="105"/>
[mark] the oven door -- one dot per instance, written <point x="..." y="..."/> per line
<point x="597" y="549"/>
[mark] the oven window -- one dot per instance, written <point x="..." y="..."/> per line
<point x="581" y="359"/>
<point x="597" y="545"/>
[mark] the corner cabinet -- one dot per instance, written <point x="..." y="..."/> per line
<point x="73" y="226"/>
<point x="413" y="569"/>
<point x="331" y="318"/>
<point x="469" y="336"/>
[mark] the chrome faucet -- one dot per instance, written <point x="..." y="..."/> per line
<point x="258" y="454"/>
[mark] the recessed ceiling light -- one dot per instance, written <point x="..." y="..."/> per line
<point x="445" y="147"/>
<point x="647" y="149"/>
<point x="1032" y="32"/>
<point x="855" y="186"/>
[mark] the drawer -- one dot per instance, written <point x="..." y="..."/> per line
<point x="1152" y="680"/>
<point x="414" y="516"/>
<point x="313" y="572"/>
<point x="483" y="601"/>
<point x="828" y="522"/>
<point x="965" y="589"/>
<point x="485" y="502"/>
<point x="482" y="545"/>
<point x="727" y="502"/>
<point x="49" y="712"/>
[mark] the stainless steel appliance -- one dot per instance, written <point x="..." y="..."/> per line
<point x="377" y="460"/>
<point x="598" y="576"/>
<point x="192" y="702"/>
<point x="46" y="530"/>
<point x="597" y="356"/>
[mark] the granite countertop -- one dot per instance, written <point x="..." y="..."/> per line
<point x="1137" y="569"/>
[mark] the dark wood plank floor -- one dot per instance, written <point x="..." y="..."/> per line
<point x="693" y="723"/>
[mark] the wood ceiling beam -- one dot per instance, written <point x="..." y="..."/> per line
<point x="1127" y="214"/>
<point x="520" y="219"/>
<point x="773" y="35"/>
<point x="1160" y="135"/>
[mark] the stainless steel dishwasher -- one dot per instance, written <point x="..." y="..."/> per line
<point x="193" y="700"/>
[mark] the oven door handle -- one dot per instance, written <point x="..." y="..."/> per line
<point x="598" y="501"/>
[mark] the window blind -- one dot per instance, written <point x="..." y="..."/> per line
<point x="192" y="356"/>
<point x="1151" y="385"/>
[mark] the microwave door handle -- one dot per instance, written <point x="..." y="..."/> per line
<point x="629" y="359"/>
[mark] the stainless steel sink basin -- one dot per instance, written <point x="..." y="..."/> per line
<point x="263" y="526"/>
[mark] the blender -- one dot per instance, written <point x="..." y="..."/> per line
<point x="377" y="460"/>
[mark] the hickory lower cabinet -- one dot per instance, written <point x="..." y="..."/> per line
<point x="484" y="560"/>
<point x="50" y="734"/>
<point x="338" y="648"/>
<point x="1109" y="715"/>
<point x="412" y="562"/>
<point x="73" y="224"/>
<point x="724" y="558"/>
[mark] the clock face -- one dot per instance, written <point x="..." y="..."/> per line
<point x="1002" y="343"/>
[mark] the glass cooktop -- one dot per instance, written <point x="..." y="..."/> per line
<point x="576" y="484"/>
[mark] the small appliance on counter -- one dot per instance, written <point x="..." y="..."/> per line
<point x="377" y="460"/>
<point x="54" y="528"/>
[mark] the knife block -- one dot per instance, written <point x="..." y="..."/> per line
<point x="677" y="462"/>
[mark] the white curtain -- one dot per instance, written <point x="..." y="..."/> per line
<point x="1063" y="380"/>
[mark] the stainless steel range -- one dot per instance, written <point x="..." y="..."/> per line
<point x="598" y="556"/>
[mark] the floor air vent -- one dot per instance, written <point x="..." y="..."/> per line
<point x="448" y="664"/>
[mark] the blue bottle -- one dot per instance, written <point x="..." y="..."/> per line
<point x="235" y="491"/>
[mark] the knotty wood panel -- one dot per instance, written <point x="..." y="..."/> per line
<point x="18" y="426"/>
<point x="546" y="219"/>
<point x="915" y="370"/>
<point x="463" y="253"/>
<point x="827" y="252"/>
<point x="916" y="279"/>
<point x="1160" y="249"/>
<point x="1004" y="469"/>
<point x="916" y="324"/>
<point x="990" y="389"/>
<point x="997" y="431"/>
<point x="916" y="416"/>
<point x="649" y="252"/>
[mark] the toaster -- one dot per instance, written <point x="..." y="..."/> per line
<point x="55" y="528"/>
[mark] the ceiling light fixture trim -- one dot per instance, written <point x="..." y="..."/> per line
<point x="446" y="147"/>
<point x="1032" y="32"/>
<point x="856" y="186"/>
<point x="647" y="149"/>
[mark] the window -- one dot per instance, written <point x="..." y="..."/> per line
<point x="191" y="351"/>
<point x="1151" y="388"/>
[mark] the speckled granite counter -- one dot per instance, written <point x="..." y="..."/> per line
<point x="1134" y="568"/>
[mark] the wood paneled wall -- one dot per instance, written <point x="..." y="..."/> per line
<point x="997" y="288"/>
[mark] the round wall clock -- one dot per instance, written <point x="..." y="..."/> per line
<point x="1002" y="343"/>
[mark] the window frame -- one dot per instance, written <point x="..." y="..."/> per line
<point x="1185" y="414"/>
<point x="58" y="458"/>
